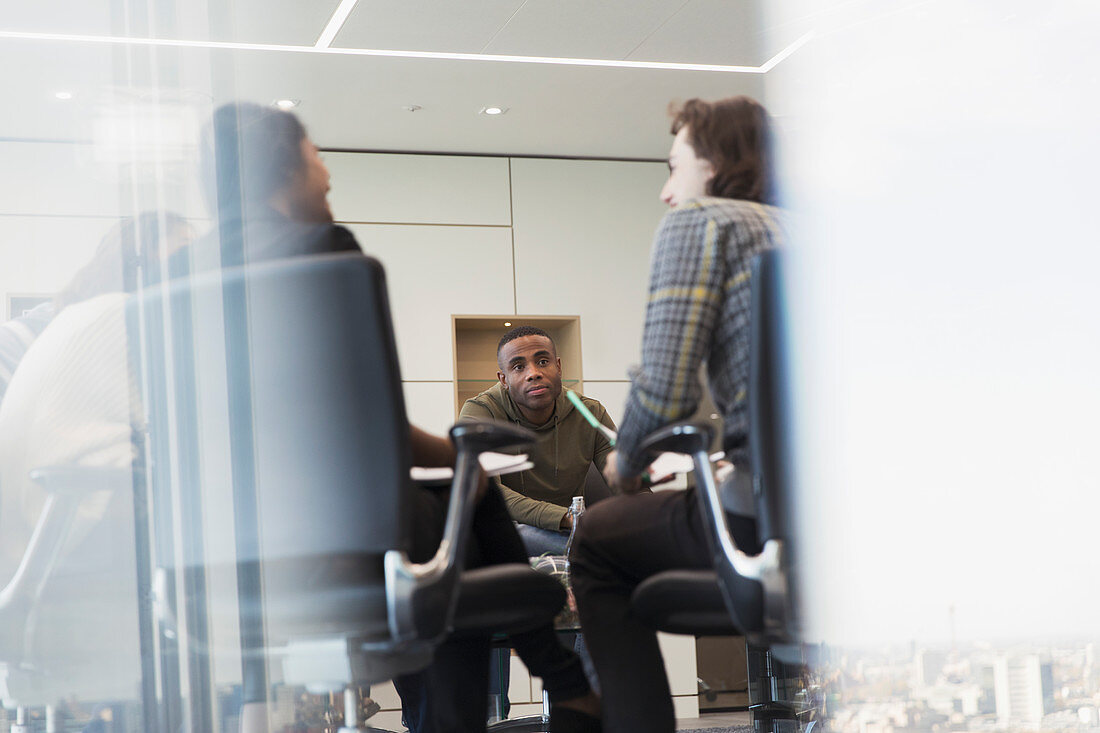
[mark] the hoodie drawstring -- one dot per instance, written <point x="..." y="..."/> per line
<point x="556" y="482"/>
<point x="522" y="483"/>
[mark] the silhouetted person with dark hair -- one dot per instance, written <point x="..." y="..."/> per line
<point x="269" y="188"/>
<point x="721" y="192"/>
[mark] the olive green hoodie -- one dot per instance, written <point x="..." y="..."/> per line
<point x="567" y="444"/>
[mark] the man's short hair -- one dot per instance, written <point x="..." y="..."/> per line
<point x="249" y="152"/>
<point x="520" y="332"/>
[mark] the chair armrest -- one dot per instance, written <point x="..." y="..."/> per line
<point x="679" y="437"/>
<point x="411" y="586"/>
<point x="737" y="569"/>
<point x="694" y="439"/>
<point x="479" y="436"/>
<point x="733" y="566"/>
<point x="65" y="487"/>
<point x="80" y="479"/>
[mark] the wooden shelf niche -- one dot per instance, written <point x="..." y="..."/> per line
<point x="475" y="349"/>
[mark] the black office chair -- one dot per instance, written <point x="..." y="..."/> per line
<point x="317" y="486"/>
<point x="746" y="594"/>
<point x="318" y="380"/>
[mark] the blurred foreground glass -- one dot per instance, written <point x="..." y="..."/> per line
<point x="941" y="158"/>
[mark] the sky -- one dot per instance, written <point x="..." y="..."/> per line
<point x="940" y="160"/>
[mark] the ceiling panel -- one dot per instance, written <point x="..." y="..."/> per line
<point x="103" y="80"/>
<point x="708" y="32"/>
<point x="425" y="25"/>
<point x="31" y="111"/>
<point x="290" y="22"/>
<point x="59" y="16"/>
<point x="581" y="28"/>
<point x="553" y="110"/>
<point x="357" y="102"/>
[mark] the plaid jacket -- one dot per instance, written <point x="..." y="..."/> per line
<point x="697" y="310"/>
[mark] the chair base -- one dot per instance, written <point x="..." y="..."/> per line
<point x="773" y="717"/>
<point x="528" y="723"/>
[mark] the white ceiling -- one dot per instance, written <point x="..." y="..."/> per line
<point x="357" y="101"/>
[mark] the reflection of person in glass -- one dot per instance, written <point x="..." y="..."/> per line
<point x="69" y="403"/>
<point x="270" y="187"/>
<point x="720" y="191"/>
<point x="156" y="234"/>
<point x="69" y="406"/>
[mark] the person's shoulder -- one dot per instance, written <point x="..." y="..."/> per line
<point x="727" y="218"/>
<point x="486" y="401"/>
<point x="343" y="237"/>
<point x="721" y="210"/>
<point x="594" y="406"/>
<point x="693" y="215"/>
<point x="329" y="239"/>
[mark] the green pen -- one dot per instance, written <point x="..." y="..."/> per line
<point x="587" y="414"/>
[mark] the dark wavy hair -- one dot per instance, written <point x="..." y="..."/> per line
<point x="249" y="152"/>
<point x="734" y="135"/>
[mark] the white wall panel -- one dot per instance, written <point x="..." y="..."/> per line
<point x="611" y="395"/>
<point x="419" y="189"/>
<point x="679" y="654"/>
<point x="685" y="706"/>
<point x="583" y="233"/>
<point x="433" y="272"/>
<point x="40" y="255"/>
<point x="81" y="179"/>
<point x="56" y="178"/>
<point x="430" y="405"/>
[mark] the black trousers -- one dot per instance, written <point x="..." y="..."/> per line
<point x="452" y="694"/>
<point x="619" y="543"/>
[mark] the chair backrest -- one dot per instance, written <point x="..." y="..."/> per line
<point x="768" y="395"/>
<point x="315" y="405"/>
<point x="771" y="438"/>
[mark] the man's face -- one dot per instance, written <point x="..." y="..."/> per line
<point x="688" y="175"/>
<point x="531" y="372"/>
<point x="308" y="191"/>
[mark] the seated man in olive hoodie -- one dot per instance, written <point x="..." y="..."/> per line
<point x="529" y="393"/>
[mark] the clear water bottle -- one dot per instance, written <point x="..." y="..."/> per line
<point x="576" y="509"/>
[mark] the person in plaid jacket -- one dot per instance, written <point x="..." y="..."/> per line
<point x="721" y="191"/>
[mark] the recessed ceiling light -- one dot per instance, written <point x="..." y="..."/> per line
<point x="287" y="103"/>
<point x="493" y="110"/>
<point x="63" y="95"/>
<point x="507" y="323"/>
